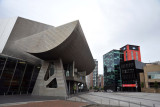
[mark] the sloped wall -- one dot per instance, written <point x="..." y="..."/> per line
<point x="40" y="86"/>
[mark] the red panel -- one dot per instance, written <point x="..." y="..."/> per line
<point x="128" y="85"/>
<point x="124" y="55"/>
<point x="129" y="56"/>
<point x="139" y="55"/>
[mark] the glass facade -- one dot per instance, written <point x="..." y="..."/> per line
<point x="17" y="76"/>
<point x="68" y="69"/>
<point x="50" y="71"/>
<point x="112" y="74"/>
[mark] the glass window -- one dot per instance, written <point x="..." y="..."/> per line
<point x="18" y="76"/>
<point x="2" y="62"/>
<point x="154" y="75"/>
<point x="52" y="84"/>
<point x="136" y="55"/>
<point x="34" y="78"/>
<point x="67" y="73"/>
<point x="7" y="75"/>
<point x="132" y="55"/>
<point x="50" y="71"/>
<point x="26" y="79"/>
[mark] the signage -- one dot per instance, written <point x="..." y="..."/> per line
<point x="128" y="85"/>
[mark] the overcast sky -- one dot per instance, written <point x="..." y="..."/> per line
<point x="107" y="24"/>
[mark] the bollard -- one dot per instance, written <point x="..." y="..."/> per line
<point x="129" y="103"/>
<point x="153" y="105"/>
<point x="109" y="102"/>
<point x="4" y="94"/>
<point x="140" y="104"/>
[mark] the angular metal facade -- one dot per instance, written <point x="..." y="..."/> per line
<point x="29" y="45"/>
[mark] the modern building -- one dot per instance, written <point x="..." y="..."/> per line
<point x="95" y="74"/>
<point x="41" y="59"/>
<point x="130" y="71"/>
<point x="100" y="81"/>
<point x="131" y="52"/>
<point x="150" y="75"/>
<point x="112" y="74"/>
<point x="92" y="78"/>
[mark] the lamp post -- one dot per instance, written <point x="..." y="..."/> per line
<point x="136" y="85"/>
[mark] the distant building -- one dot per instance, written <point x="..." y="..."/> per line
<point x="149" y="76"/>
<point x="130" y="71"/>
<point x="131" y="52"/>
<point x="92" y="78"/>
<point x="100" y="81"/>
<point x="112" y="76"/>
<point x="95" y="74"/>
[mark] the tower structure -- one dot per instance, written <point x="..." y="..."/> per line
<point x="131" y="52"/>
<point x="112" y="76"/>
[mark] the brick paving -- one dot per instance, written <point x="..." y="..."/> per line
<point x="56" y="103"/>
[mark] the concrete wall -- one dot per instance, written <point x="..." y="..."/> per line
<point x="40" y="86"/>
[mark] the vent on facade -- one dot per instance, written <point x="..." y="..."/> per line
<point x="52" y="84"/>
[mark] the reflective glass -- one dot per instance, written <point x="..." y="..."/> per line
<point x="18" y="76"/>
<point x="7" y="75"/>
<point x="34" y="78"/>
<point x="26" y="79"/>
<point x="2" y="62"/>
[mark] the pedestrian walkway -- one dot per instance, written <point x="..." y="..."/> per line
<point x="55" y="103"/>
<point x="26" y="98"/>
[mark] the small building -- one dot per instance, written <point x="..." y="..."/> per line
<point x="92" y="78"/>
<point x="150" y="77"/>
<point x="130" y="71"/>
<point x="100" y="81"/>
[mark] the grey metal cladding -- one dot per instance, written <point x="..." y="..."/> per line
<point x="23" y="28"/>
<point x="6" y="26"/>
<point x="66" y="42"/>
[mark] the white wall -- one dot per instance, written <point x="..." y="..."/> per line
<point x="6" y="26"/>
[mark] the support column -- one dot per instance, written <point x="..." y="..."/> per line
<point x="69" y="87"/>
<point x="73" y="68"/>
<point x="41" y="88"/>
<point x="77" y="87"/>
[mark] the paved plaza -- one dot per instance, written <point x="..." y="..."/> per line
<point x="132" y="99"/>
<point x="123" y="99"/>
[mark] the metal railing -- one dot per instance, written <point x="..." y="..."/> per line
<point x="109" y="101"/>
